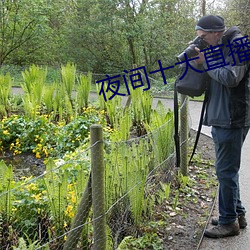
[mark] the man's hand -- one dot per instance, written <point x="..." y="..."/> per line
<point x="201" y="58"/>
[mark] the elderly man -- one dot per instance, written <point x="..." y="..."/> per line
<point x="228" y="112"/>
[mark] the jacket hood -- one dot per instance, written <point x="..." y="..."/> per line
<point x="230" y="33"/>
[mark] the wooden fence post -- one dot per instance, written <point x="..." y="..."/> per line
<point x="80" y="218"/>
<point x="98" y="194"/>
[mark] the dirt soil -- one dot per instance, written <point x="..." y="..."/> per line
<point x="25" y="164"/>
<point x="187" y="222"/>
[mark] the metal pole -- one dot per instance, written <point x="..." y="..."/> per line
<point x="184" y="135"/>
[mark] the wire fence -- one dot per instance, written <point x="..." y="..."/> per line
<point x="44" y="211"/>
<point x="61" y="208"/>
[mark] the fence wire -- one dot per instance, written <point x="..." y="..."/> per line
<point x="40" y="211"/>
<point x="45" y="210"/>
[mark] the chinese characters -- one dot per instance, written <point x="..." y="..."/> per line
<point x="239" y="52"/>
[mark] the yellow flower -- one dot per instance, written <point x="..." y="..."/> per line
<point x="45" y="151"/>
<point x="31" y="186"/>
<point x="26" y="178"/>
<point x="69" y="211"/>
<point x="103" y="112"/>
<point x="6" y="132"/>
<point x="73" y="199"/>
<point x="37" y="196"/>
<point x="14" y="209"/>
<point x="38" y="155"/>
<point x="16" y="152"/>
<point x="71" y="194"/>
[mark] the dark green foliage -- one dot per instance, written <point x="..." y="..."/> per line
<point x="98" y="36"/>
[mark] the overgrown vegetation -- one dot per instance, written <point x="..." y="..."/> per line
<point x="38" y="211"/>
<point x="106" y="37"/>
<point x="53" y="123"/>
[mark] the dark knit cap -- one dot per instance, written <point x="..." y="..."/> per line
<point x="211" y="23"/>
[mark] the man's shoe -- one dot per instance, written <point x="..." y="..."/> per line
<point x="221" y="231"/>
<point x="241" y="219"/>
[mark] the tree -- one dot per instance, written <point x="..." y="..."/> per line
<point x="110" y="36"/>
<point x="102" y="36"/>
<point x="95" y="40"/>
<point x="237" y="13"/>
<point x="20" y="22"/>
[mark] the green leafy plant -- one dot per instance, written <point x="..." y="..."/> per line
<point x="22" y="245"/>
<point x="6" y="204"/>
<point x="5" y="90"/>
<point x="122" y="126"/>
<point x="6" y="184"/>
<point x="43" y="137"/>
<point x="114" y="111"/>
<point x="147" y="241"/>
<point x="48" y="98"/>
<point x="59" y="103"/>
<point x="161" y="126"/>
<point x="141" y="109"/>
<point x="30" y="208"/>
<point x="184" y="181"/>
<point x="164" y="191"/>
<point x="176" y="199"/>
<point x="101" y="99"/>
<point x="83" y="90"/>
<point x="23" y="134"/>
<point x="33" y="85"/>
<point x="56" y="187"/>
<point x="68" y="74"/>
<point x="65" y="181"/>
<point x="125" y="178"/>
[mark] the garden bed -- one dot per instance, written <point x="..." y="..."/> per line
<point x="150" y="205"/>
<point x="25" y="164"/>
<point x="179" y="220"/>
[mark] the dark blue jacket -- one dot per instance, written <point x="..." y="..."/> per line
<point x="228" y="103"/>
